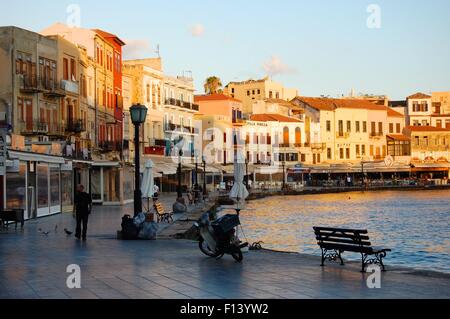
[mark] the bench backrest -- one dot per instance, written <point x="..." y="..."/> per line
<point x="159" y="208"/>
<point x="344" y="237"/>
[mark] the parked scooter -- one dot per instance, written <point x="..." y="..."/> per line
<point x="220" y="237"/>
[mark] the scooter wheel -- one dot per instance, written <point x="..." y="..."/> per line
<point x="237" y="255"/>
<point x="206" y="250"/>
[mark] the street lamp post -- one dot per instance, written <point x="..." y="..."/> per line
<point x="196" y="173"/>
<point x="179" y="192"/>
<point x="284" y="175"/>
<point x="138" y="114"/>
<point x="204" y="176"/>
<point x="246" y="172"/>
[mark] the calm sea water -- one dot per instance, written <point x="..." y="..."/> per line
<point x="414" y="224"/>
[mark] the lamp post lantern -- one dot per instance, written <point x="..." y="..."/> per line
<point x="284" y="175"/>
<point x="138" y="114"/>
<point x="204" y="175"/>
<point x="179" y="192"/>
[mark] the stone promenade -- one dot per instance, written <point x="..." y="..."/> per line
<point x="33" y="265"/>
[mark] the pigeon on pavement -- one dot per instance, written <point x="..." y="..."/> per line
<point x="68" y="233"/>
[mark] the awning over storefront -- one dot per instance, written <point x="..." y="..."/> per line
<point x="35" y="157"/>
<point x="106" y="164"/>
<point x="430" y="167"/>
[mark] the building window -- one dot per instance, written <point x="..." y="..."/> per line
<point x="341" y="128"/>
<point x="65" y="69"/>
<point x="380" y="128"/>
<point x="349" y="126"/>
<point x="371" y="150"/>
<point x="328" y="126"/>
<point x="347" y="153"/>
<point x="270" y="94"/>
<point x="363" y="150"/>
<point x="439" y="123"/>
<point x="248" y="93"/>
<point x="373" y="128"/>
<point x="398" y="127"/>
<point x="73" y="70"/>
<point x="357" y="150"/>
<point x="341" y="153"/>
<point x="391" y="127"/>
<point x="303" y="157"/>
<point x="364" y="127"/>
<point x="357" y="128"/>
<point x="259" y="91"/>
<point x="329" y="153"/>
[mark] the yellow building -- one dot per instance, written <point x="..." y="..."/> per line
<point x="349" y="130"/>
<point x="441" y="100"/>
<point x="252" y="90"/>
<point x="430" y="151"/>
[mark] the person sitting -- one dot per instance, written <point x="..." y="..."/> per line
<point x="179" y="207"/>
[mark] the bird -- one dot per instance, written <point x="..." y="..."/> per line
<point x="46" y="233"/>
<point x="56" y="228"/>
<point x="40" y="230"/>
<point x="68" y="233"/>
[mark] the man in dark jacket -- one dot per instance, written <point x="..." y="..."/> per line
<point x="82" y="207"/>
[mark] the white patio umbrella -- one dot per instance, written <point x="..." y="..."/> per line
<point x="239" y="192"/>
<point x="147" y="182"/>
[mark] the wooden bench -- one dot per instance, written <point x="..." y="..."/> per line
<point x="14" y="215"/>
<point x="161" y="213"/>
<point x="334" y="241"/>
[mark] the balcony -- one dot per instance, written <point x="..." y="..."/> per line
<point x="81" y="154"/>
<point x="69" y="86"/>
<point x="376" y="134"/>
<point x="342" y="134"/>
<point x="34" y="127"/>
<point x="318" y="146"/>
<point x="179" y="103"/>
<point x="76" y="126"/>
<point x="170" y="127"/>
<point x="51" y="88"/>
<point x="29" y="84"/>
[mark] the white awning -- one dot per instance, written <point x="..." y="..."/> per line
<point x="106" y="164"/>
<point x="35" y="157"/>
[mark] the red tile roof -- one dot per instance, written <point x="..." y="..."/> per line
<point x="329" y="104"/>
<point x="427" y="129"/>
<point x="273" y="118"/>
<point x="215" y="97"/>
<point x="419" y="95"/>
<point x="399" y="137"/>
<point x="109" y="35"/>
<point x="393" y="113"/>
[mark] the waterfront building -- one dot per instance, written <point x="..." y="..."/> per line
<point x="441" y="101"/>
<point x="422" y="111"/>
<point x="430" y="151"/>
<point x="253" y="90"/>
<point x="351" y="130"/>
<point x="102" y="50"/>
<point x="37" y="178"/>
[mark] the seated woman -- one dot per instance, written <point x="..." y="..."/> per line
<point x="179" y="207"/>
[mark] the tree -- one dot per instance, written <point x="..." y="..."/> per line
<point x="212" y="85"/>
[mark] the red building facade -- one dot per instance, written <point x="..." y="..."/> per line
<point x="117" y="43"/>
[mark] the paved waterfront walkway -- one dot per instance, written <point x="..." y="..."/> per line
<point x="33" y="265"/>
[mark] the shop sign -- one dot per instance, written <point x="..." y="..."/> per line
<point x="67" y="166"/>
<point x="3" y="133"/>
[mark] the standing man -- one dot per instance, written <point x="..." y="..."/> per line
<point x="82" y="209"/>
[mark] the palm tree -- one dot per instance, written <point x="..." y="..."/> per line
<point x="212" y="85"/>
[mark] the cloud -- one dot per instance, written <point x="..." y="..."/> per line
<point x="274" y="66"/>
<point x="197" y="30"/>
<point x="136" y="49"/>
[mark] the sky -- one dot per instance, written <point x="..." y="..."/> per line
<point x="323" y="47"/>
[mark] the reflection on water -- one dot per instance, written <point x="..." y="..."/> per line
<point x="415" y="225"/>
